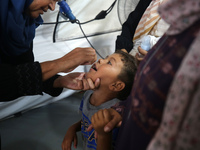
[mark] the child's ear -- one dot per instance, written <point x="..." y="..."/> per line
<point x="117" y="86"/>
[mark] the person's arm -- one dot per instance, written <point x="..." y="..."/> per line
<point x="67" y="63"/>
<point x="99" y="120"/>
<point x="34" y="78"/>
<point x="125" y="39"/>
<point x="71" y="136"/>
<point x="104" y="141"/>
<point x="116" y="113"/>
<point x="76" y="81"/>
<point x="24" y="79"/>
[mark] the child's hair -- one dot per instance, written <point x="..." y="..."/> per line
<point x="127" y="73"/>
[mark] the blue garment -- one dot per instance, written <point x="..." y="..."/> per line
<point x="20" y="75"/>
<point x="17" y="28"/>
<point x="88" y="110"/>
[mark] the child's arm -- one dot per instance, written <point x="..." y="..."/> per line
<point x="99" y="120"/>
<point x="71" y="136"/>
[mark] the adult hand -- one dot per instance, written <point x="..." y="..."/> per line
<point x="99" y="120"/>
<point x="67" y="63"/>
<point x="88" y="84"/>
<point x="76" y="81"/>
<point x="71" y="81"/>
<point x="140" y="56"/>
<point x="78" y="56"/>
<point x="115" y="121"/>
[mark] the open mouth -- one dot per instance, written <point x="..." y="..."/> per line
<point x="94" y="67"/>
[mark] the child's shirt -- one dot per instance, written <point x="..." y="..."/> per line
<point x="88" y="110"/>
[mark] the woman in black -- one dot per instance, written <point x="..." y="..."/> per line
<point x="19" y="74"/>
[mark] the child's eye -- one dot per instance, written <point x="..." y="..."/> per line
<point x="109" y="63"/>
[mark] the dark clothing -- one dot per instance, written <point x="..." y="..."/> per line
<point x="19" y="74"/>
<point x="17" y="28"/>
<point x="144" y="107"/>
<point x="125" y="40"/>
<point x="24" y="79"/>
<point x="18" y="59"/>
<point x="22" y="76"/>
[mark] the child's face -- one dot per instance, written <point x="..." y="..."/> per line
<point x="106" y="69"/>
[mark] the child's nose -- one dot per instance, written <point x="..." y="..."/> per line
<point x="101" y="61"/>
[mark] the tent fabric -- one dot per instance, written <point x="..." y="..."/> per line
<point x="85" y="11"/>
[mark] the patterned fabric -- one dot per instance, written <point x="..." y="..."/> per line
<point x="26" y="87"/>
<point x="145" y="105"/>
<point x="29" y="81"/>
<point x="150" y="24"/>
<point x="159" y="28"/>
<point x="24" y="79"/>
<point x="180" y="127"/>
<point x="149" y="20"/>
<point x="180" y="14"/>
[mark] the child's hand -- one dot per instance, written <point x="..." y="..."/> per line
<point x="115" y="121"/>
<point x="140" y="56"/>
<point x="124" y="50"/>
<point x="99" y="120"/>
<point x="70" y="137"/>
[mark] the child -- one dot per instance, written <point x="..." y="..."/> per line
<point x="116" y="73"/>
<point x="99" y="120"/>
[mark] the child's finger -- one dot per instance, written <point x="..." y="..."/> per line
<point x="66" y="146"/>
<point x="100" y="114"/>
<point x="138" y="57"/>
<point x="142" y="51"/>
<point x="90" y="128"/>
<point x="75" y="142"/>
<point x="124" y="50"/>
<point x="106" y="115"/>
